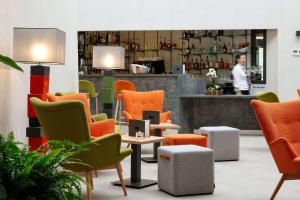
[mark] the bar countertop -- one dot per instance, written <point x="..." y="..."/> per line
<point x="218" y="96"/>
<point x="136" y="75"/>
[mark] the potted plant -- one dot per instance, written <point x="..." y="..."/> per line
<point x="38" y="175"/>
<point x="213" y="87"/>
<point x="9" y="62"/>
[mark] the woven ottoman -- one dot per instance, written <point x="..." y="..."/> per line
<point x="185" y="170"/>
<point x="183" y="139"/>
<point x="224" y="140"/>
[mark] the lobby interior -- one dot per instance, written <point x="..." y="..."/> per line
<point x="147" y="88"/>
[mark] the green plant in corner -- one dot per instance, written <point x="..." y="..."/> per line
<point x="9" y="62"/>
<point x="38" y="175"/>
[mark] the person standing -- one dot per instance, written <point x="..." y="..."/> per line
<point x="240" y="81"/>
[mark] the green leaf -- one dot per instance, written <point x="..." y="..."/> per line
<point x="9" y="62"/>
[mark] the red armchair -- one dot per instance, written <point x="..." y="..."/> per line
<point x="97" y="128"/>
<point x="280" y="123"/>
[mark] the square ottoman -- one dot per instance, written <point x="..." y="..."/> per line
<point x="224" y="140"/>
<point x="185" y="170"/>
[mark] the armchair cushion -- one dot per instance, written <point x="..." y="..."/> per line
<point x="102" y="152"/>
<point x="101" y="128"/>
<point x="76" y="96"/>
<point x="283" y="154"/>
<point x="99" y="117"/>
<point x="164" y="117"/>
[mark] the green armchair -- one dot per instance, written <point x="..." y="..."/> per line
<point x="270" y="97"/>
<point x="67" y="121"/>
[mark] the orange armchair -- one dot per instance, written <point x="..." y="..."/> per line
<point x="98" y="128"/>
<point x="136" y="102"/>
<point x="280" y="125"/>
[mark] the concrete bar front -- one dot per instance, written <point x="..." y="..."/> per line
<point x="173" y="85"/>
<point x="224" y="110"/>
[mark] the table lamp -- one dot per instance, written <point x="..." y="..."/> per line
<point x="38" y="46"/>
<point x="108" y="58"/>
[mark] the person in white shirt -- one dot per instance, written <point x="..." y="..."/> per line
<point x="240" y="81"/>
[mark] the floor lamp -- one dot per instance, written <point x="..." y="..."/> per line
<point x="38" y="46"/>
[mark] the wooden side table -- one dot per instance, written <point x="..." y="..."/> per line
<point x="135" y="181"/>
<point x="157" y="132"/>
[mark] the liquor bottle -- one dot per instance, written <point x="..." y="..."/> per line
<point x="209" y="33"/>
<point x="90" y="38"/>
<point x="222" y="63"/>
<point x="192" y="64"/>
<point x="229" y="47"/>
<point x="202" y="63"/>
<point x="169" y="44"/>
<point x="226" y="64"/>
<point x="211" y="64"/>
<point x="108" y="37"/>
<point x="160" y="43"/>
<point x="217" y="64"/>
<point x="133" y="45"/>
<point x="192" y="34"/>
<point x="193" y="48"/>
<point x="127" y="45"/>
<point x="137" y="44"/>
<point x="224" y="48"/>
<point x="188" y="34"/>
<point x="219" y="46"/>
<point x="188" y="50"/>
<point x="220" y="32"/>
<point x="206" y="62"/>
<point x="184" y="34"/>
<point x="165" y="43"/>
<point x="196" y="65"/>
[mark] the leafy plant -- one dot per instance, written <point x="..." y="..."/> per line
<point x="9" y="62"/>
<point x="37" y="175"/>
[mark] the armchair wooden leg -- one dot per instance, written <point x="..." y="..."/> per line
<point x="88" y="185"/>
<point x="91" y="180"/>
<point x="282" y="179"/>
<point x="96" y="173"/>
<point x="119" y="169"/>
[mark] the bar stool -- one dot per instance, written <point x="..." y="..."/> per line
<point x="119" y="86"/>
<point x="90" y="90"/>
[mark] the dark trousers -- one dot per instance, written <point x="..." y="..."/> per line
<point x="245" y="92"/>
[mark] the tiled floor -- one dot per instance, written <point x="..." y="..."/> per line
<point x="253" y="177"/>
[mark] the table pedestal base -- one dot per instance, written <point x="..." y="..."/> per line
<point x="149" y="159"/>
<point x="138" y="185"/>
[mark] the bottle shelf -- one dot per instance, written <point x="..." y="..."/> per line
<point x="213" y="54"/>
<point x="216" y="36"/>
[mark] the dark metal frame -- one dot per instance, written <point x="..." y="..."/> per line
<point x="253" y="54"/>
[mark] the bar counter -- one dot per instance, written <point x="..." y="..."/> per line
<point x="173" y="85"/>
<point x="199" y="110"/>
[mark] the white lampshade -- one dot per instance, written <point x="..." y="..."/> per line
<point x="39" y="45"/>
<point x="108" y="57"/>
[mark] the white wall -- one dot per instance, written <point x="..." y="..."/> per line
<point x="72" y="15"/>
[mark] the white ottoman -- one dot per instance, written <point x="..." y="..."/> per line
<point x="185" y="170"/>
<point x="224" y="140"/>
